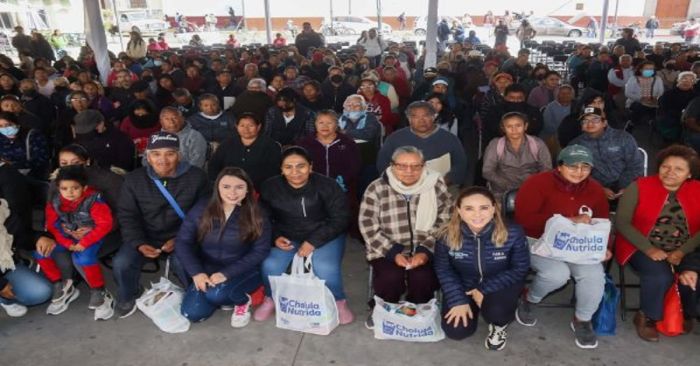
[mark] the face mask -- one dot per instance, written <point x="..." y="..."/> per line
<point x="337" y="79"/>
<point x="290" y="54"/>
<point x="9" y="131"/>
<point x="647" y="73"/>
<point x="353" y="115"/>
<point x="157" y="63"/>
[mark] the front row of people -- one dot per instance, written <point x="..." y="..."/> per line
<point x="417" y="239"/>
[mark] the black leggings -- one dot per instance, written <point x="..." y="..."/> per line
<point x="497" y="308"/>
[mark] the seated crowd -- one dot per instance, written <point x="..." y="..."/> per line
<point x="229" y="162"/>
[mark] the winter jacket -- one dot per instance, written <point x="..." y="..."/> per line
<point x="316" y="212"/>
<point x="380" y="106"/>
<point x="340" y="160"/>
<point x="261" y="160"/>
<point x="254" y="102"/>
<point x="288" y="133"/>
<point x="480" y="265"/>
<point x="634" y="93"/>
<point x="508" y="170"/>
<point x="193" y="146"/>
<point x="90" y="210"/>
<point x="335" y="96"/>
<point x="145" y="216"/>
<point x="616" y="158"/>
<point x="213" y="129"/>
<point x="231" y="90"/>
<point x="28" y="152"/>
<point x="306" y="40"/>
<point x="221" y="250"/>
<point x="554" y="113"/>
<point x="438" y="144"/>
<point x="387" y="220"/>
<point x="540" y="96"/>
<point x="109" y="148"/>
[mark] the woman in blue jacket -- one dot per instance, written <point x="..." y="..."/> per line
<point x="221" y="244"/>
<point x="481" y="264"/>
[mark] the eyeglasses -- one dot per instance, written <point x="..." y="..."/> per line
<point x="407" y="167"/>
<point x="77" y="99"/>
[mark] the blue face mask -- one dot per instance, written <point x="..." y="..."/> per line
<point x="157" y="62"/>
<point x="647" y="73"/>
<point x="9" y="131"/>
<point x="354" y="115"/>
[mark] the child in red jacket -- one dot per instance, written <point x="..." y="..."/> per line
<point x="78" y="218"/>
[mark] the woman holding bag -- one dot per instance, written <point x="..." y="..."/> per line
<point x="221" y="244"/>
<point x="658" y="223"/>
<point x="563" y="191"/>
<point x="309" y="214"/>
<point x="481" y="264"/>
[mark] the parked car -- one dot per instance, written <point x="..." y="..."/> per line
<point x="548" y="26"/>
<point x="142" y="22"/>
<point x="420" y="26"/>
<point x="356" y="25"/>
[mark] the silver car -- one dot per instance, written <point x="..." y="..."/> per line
<point x="548" y="26"/>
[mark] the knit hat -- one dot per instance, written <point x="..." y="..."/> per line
<point x="574" y="154"/>
<point x="87" y="120"/>
<point x="163" y="140"/>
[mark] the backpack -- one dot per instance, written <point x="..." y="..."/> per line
<point x="531" y="145"/>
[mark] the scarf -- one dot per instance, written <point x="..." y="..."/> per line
<point x="211" y="118"/>
<point x="426" y="212"/>
<point x="6" y="261"/>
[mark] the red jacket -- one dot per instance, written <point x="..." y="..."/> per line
<point x="545" y="194"/>
<point x="381" y="107"/>
<point x="100" y="214"/>
<point x="651" y="200"/>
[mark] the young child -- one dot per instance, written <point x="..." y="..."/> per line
<point x="78" y="218"/>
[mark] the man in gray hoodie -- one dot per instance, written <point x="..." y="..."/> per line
<point x="193" y="146"/>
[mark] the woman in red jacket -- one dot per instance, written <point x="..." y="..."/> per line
<point x="658" y="222"/>
<point x="377" y="103"/>
<point x="563" y="191"/>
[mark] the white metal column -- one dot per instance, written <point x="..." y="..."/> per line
<point x="431" y="34"/>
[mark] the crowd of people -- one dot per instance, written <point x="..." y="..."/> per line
<point x="232" y="161"/>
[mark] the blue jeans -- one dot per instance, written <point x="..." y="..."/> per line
<point x="30" y="288"/>
<point x="326" y="262"/>
<point x="127" y="264"/>
<point x="198" y="306"/>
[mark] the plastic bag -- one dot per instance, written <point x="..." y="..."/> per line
<point x="162" y="304"/>
<point x="567" y="241"/>
<point x="604" y="320"/>
<point x="302" y="301"/>
<point x="672" y="323"/>
<point x="406" y="321"/>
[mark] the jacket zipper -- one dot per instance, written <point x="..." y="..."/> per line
<point x="410" y="225"/>
<point x="303" y="205"/>
<point x="328" y="164"/>
<point x="478" y="257"/>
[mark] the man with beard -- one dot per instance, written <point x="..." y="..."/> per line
<point x="513" y="101"/>
<point x="105" y="144"/>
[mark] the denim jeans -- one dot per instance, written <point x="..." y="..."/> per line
<point x="199" y="305"/>
<point x="30" y="288"/>
<point x="326" y="262"/>
<point x="127" y="264"/>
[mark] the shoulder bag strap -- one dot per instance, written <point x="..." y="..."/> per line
<point x="169" y="198"/>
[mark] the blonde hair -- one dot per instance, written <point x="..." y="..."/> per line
<point x="451" y="233"/>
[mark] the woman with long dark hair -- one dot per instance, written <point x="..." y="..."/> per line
<point x="221" y="244"/>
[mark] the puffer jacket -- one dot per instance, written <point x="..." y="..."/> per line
<point x="479" y="264"/>
<point x="617" y="161"/>
<point x="316" y="212"/>
<point x="145" y="216"/>
<point x="216" y="129"/>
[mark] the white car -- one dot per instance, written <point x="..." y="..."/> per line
<point x="356" y="25"/>
<point x="141" y="22"/>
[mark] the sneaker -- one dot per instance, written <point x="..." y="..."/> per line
<point x="241" y="314"/>
<point x="97" y="298"/>
<point x="344" y="314"/>
<point x="125" y="309"/>
<point x="524" y="313"/>
<point x="61" y="290"/>
<point x="60" y="306"/>
<point x="496" y="340"/>
<point x="584" y="333"/>
<point x="265" y="310"/>
<point x="14" y="310"/>
<point x="106" y="310"/>
<point x="369" y="322"/>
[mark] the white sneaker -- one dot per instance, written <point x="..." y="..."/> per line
<point x="106" y="310"/>
<point x="496" y="340"/>
<point x="14" y="310"/>
<point x="241" y="314"/>
<point x="56" y="308"/>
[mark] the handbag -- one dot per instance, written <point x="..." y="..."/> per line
<point x="672" y="323"/>
<point x="604" y="321"/>
<point x="302" y="301"/>
<point x="570" y="242"/>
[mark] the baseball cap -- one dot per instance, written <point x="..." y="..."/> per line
<point x="474" y="53"/>
<point x="430" y="70"/>
<point x="442" y="81"/>
<point x="587" y="111"/>
<point x="503" y="75"/>
<point x="575" y="154"/>
<point x="163" y="140"/>
<point x="86" y="121"/>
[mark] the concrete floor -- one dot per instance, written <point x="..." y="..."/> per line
<point x="73" y="338"/>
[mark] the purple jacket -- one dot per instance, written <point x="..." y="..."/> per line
<point x="339" y="159"/>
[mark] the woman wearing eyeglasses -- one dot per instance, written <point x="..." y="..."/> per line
<point x="399" y="214"/>
<point x="563" y="191"/>
<point x="309" y="215"/>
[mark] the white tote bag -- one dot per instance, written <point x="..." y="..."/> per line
<point x="407" y="322"/>
<point x="575" y="243"/>
<point x="302" y="301"/>
<point x="162" y="304"/>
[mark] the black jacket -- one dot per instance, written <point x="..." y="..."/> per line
<point x="145" y="216"/>
<point x="110" y="148"/>
<point x="252" y="101"/>
<point x="43" y="108"/>
<point x="335" y="96"/>
<point x="316" y="212"/>
<point x="261" y="160"/>
<point x="232" y="90"/>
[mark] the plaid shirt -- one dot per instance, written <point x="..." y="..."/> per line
<point x="384" y="220"/>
